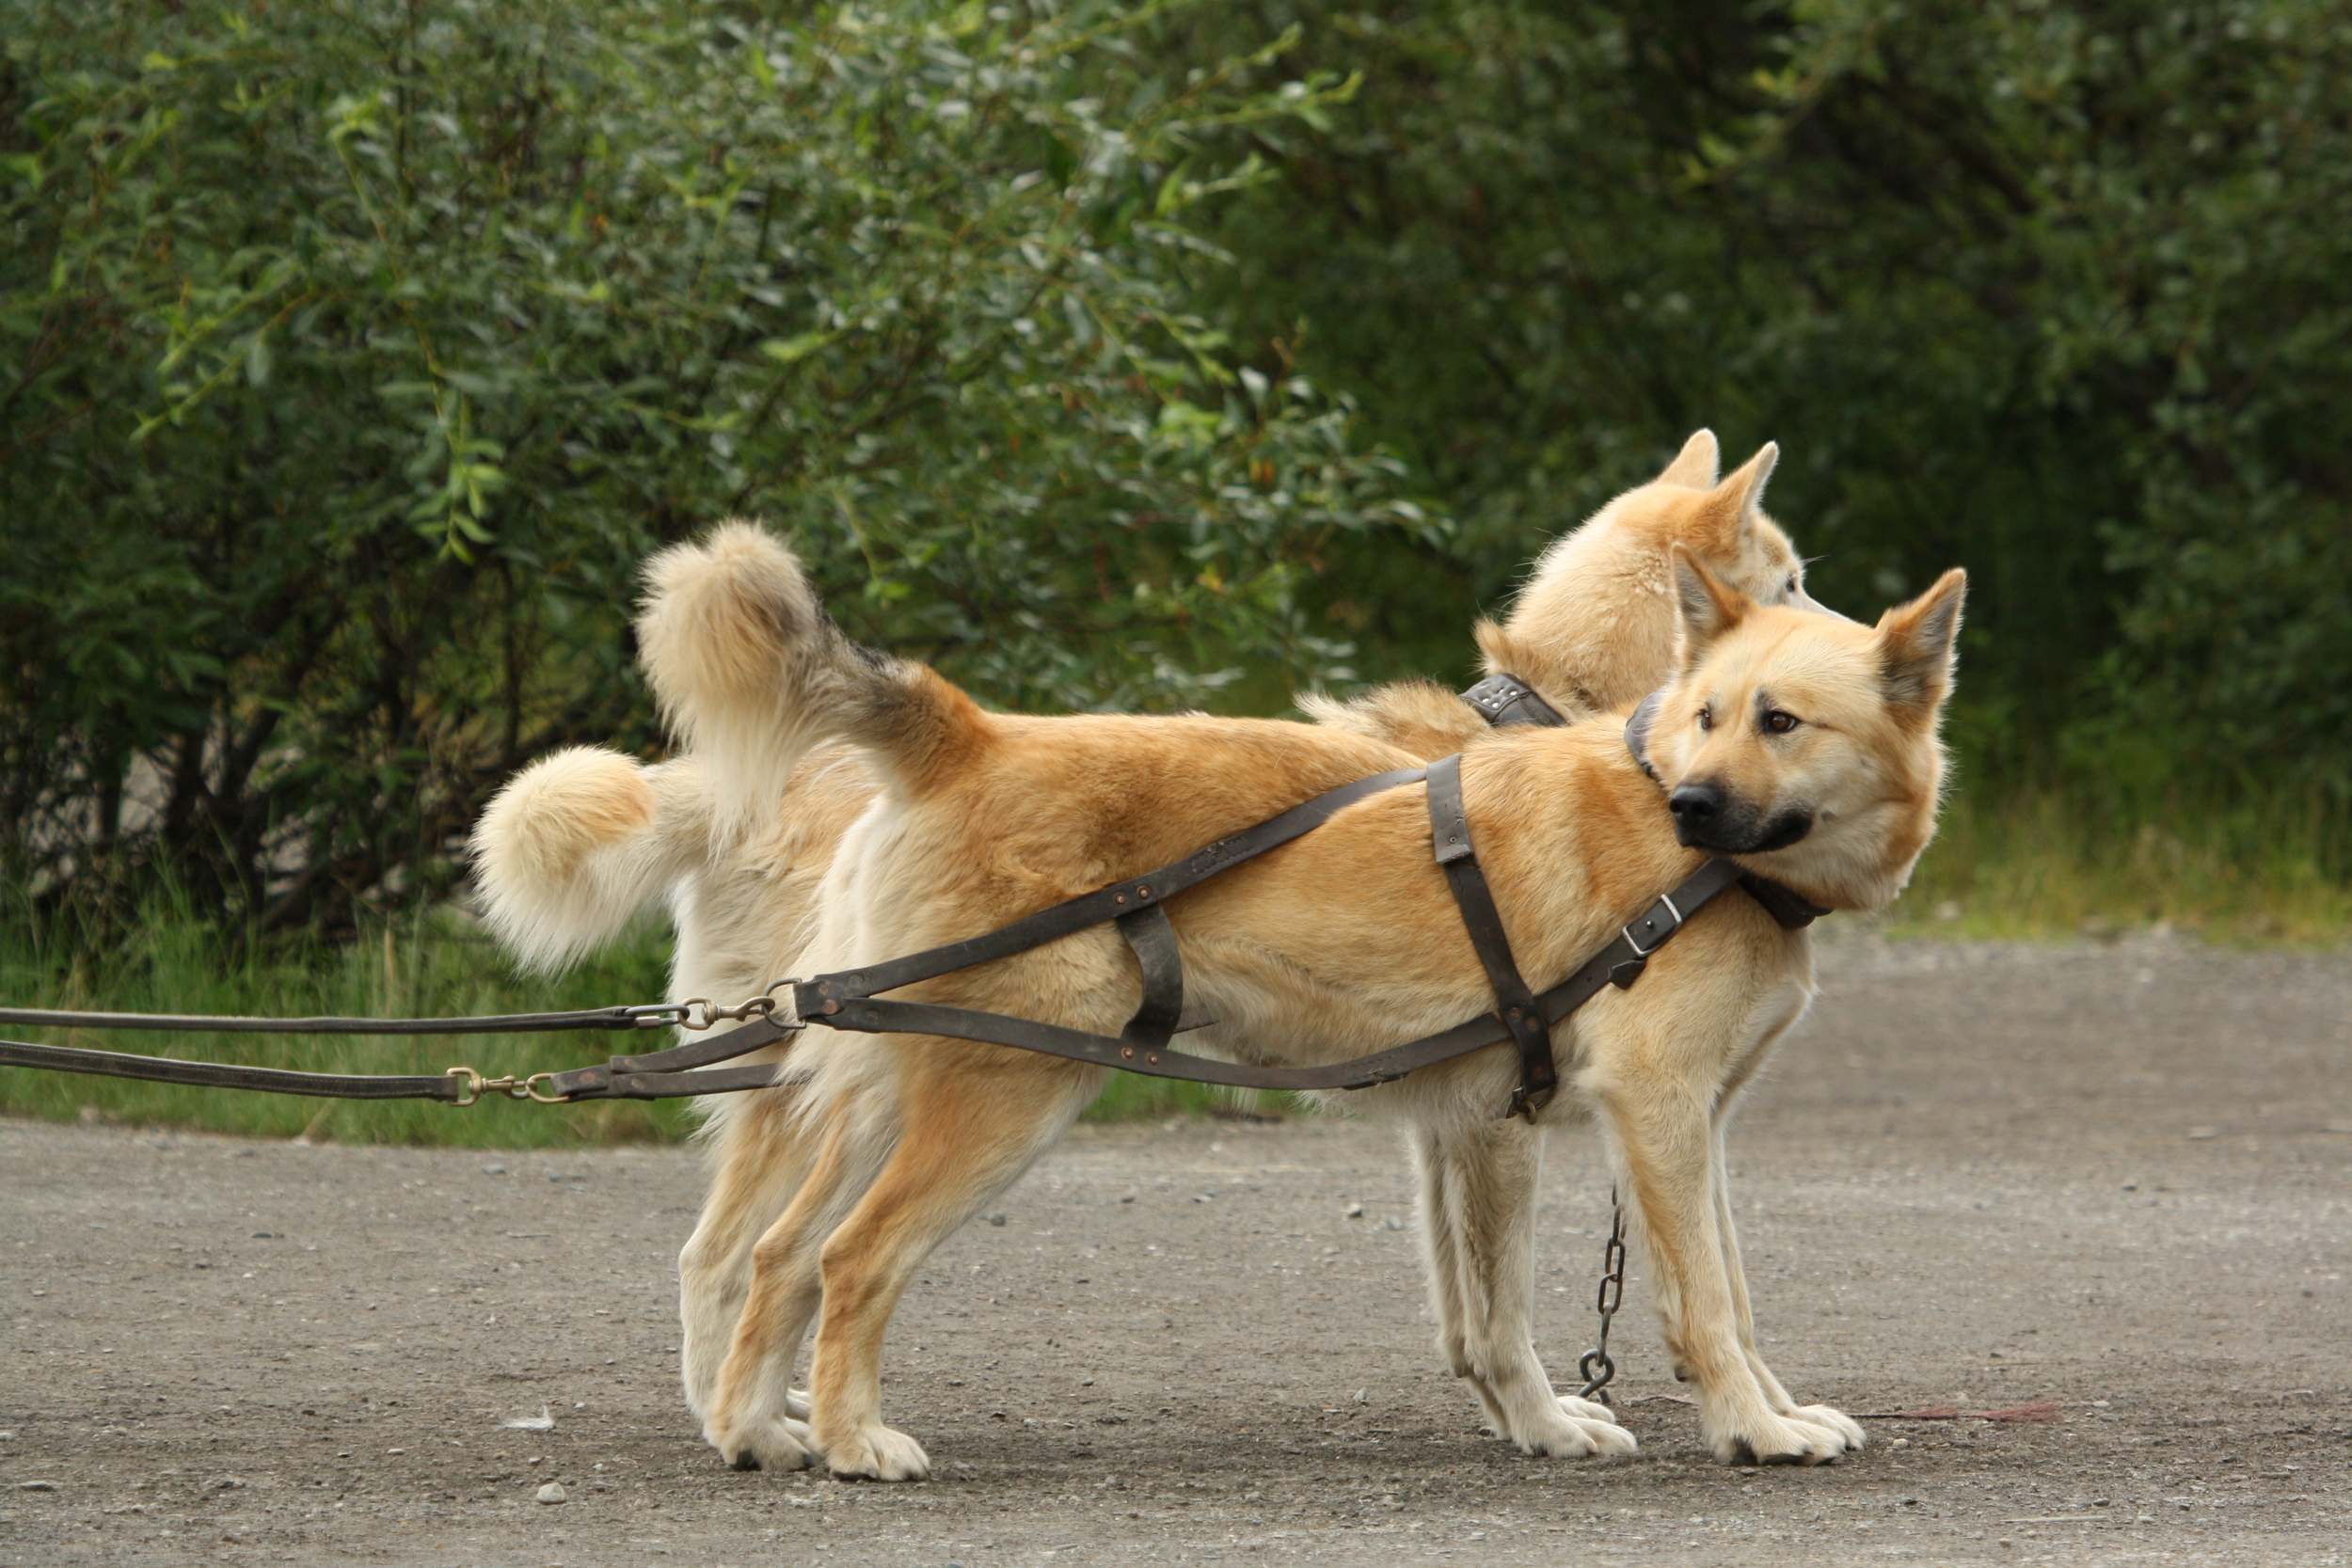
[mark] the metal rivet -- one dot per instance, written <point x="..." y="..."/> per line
<point x="1128" y="1052"/>
<point x="1143" y="891"/>
<point x="1153" y="1058"/>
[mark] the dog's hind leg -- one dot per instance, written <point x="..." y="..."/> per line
<point x="749" y="1415"/>
<point x="967" y="1136"/>
<point x="760" y="1156"/>
<point x="1481" y="1211"/>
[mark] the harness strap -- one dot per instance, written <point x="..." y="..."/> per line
<point x="1514" y="1004"/>
<point x="221" y="1075"/>
<point x="1505" y="700"/>
<point x="1619" y="964"/>
<point x="661" y="1075"/>
<point x="497" y="1023"/>
<point x="1153" y="936"/>
<point x="1104" y="904"/>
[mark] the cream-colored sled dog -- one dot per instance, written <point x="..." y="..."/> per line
<point x="583" y="840"/>
<point x="1804" y="744"/>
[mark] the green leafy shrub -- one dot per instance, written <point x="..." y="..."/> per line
<point x="354" y="352"/>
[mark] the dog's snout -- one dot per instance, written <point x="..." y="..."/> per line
<point x="1696" y="804"/>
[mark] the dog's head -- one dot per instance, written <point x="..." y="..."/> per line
<point x="1596" y="618"/>
<point x="1805" y="744"/>
<point x="1721" y="521"/>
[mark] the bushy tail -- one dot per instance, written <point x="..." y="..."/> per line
<point x="752" y="675"/>
<point x="578" y="843"/>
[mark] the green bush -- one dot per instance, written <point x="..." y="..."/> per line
<point x="354" y="352"/>
<point x="2057" y="290"/>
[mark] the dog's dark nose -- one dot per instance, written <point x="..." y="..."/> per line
<point x="1696" y="805"/>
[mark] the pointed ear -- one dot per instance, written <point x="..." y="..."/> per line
<point x="1916" y="642"/>
<point x="1732" y="508"/>
<point x="1707" y="606"/>
<point x="1696" y="467"/>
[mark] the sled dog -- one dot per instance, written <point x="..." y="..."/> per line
<point x="1800" y="744"/>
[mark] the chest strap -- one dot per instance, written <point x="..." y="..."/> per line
<point x="1514" y="1004"/>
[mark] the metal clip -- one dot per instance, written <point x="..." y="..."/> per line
<point x="512" y="1088"/>
<point x="700" y="1012"/>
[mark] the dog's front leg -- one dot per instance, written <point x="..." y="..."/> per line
<point x="1478" y="1212"/>
<point x="1661" y="1123"/>
<point x="1736" y="1271"/>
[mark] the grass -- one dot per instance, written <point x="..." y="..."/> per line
<point x="2045" y="864"/>
<point x="2036" y="866"/>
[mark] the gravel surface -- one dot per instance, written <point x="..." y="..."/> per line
<point x="2109" y="1176"/>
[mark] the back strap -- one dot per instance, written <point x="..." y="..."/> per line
<point x="1514" y="1004"/>
<point x="1104" y="904"/>
<point x="1506" y="700"/>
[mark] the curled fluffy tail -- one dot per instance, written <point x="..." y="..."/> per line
<point x="752" y="675"/>
<point x="578" y="843"/>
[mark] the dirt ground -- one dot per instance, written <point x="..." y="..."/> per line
<point x="2111" y="1177"/>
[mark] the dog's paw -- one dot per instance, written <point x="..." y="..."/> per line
<point x="1769" y="1439"/>
<point x="876" y="1452"/>
<point x="772" y="1445"/>
<point x="1588" y="1410"/>
<point x="1837" y="1421"/>
<point x="1567" y="1433"/>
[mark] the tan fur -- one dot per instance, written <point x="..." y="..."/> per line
<point x="834" y="1190"/>
<point x="1592" y="630"/>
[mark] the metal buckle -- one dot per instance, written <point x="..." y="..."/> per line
<point x="1641" y="952"/>
<point x="512" y="1088"/>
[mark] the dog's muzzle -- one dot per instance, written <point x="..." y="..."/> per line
<point x="1708" y="816"/>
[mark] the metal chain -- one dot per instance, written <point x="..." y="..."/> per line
<point x="1595" y="1368"/>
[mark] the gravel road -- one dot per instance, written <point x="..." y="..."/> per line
<point x="2112" y="1177"/>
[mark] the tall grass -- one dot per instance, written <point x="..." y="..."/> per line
<point x="2045" y="862"/>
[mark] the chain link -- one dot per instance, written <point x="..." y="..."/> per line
<point x="1595" y="1368"/>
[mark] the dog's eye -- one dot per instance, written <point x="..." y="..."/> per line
<point x="1789" y="588"/>
<point x="1779" y="722"/>
<point x="1707" y="720"/>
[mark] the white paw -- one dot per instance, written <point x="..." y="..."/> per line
<point x="876" y="1452"/>
<point x="1567" y="1437"/>
<point x="769" y="1445"/>
<point x="1587" y="1410"/>
<point x="1769" y="1439"/>
<point x="1837" y="1421"/>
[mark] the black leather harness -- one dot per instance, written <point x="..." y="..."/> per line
<point x="852" y="999"/>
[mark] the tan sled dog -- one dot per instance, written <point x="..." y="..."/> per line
<point x="1803" y="745"/>
<point x="581" y="841"/>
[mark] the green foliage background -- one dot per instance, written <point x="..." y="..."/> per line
<point x="353" y="353"/>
